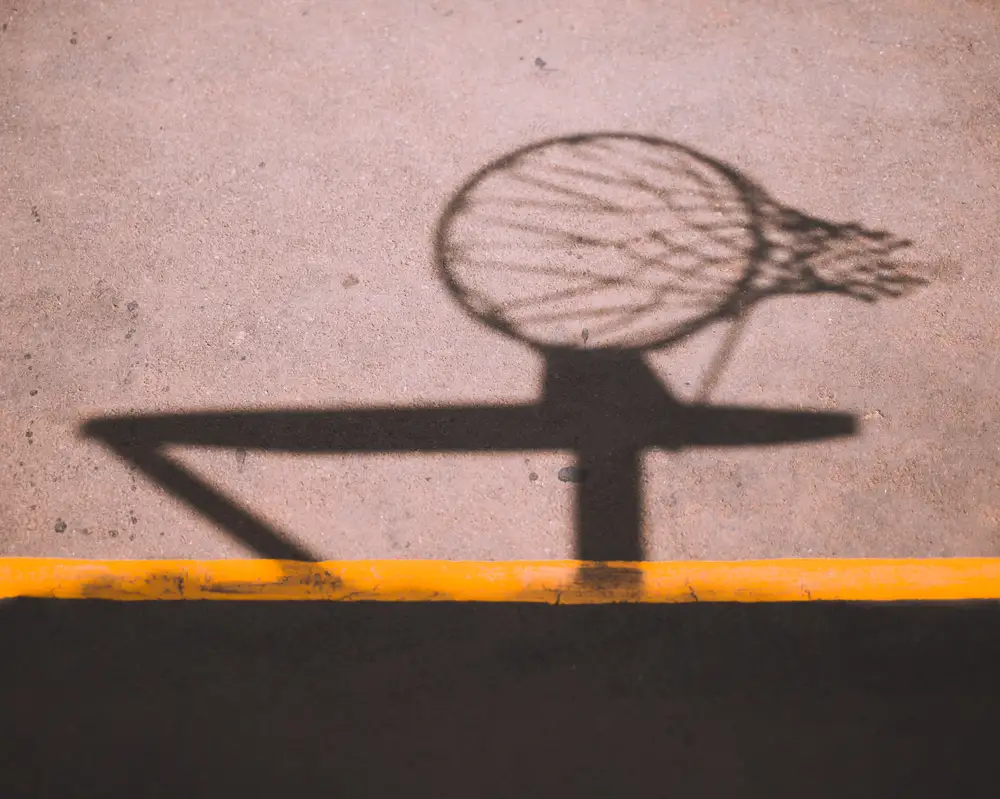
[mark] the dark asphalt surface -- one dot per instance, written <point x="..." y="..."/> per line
<point x="320" y="700"/>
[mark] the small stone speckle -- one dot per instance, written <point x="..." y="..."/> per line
<point x="350" y="281"/>
<point x="33" y="392"/>
<point x="72" y="40"/>
<point x="60" y="526"/>
<point x="571" y="474"/>
<point x="540" y="63"/>
<point x="113" y="533"/>
<point x="533" y="477"/>
<point x="132" y="306"/>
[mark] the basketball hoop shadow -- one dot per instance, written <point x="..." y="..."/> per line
<point x="591" y="249"/>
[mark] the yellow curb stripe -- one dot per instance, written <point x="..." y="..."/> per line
<point x="566" y="582"/>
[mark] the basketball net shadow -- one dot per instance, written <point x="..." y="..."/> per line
<point x="592" y="249"/>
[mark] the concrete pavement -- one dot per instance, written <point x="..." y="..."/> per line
<point x="209" y="207"/>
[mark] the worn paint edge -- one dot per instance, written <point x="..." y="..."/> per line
<point x="555" y="582"/>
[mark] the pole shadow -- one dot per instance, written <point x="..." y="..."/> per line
<point x="592" y="250"/>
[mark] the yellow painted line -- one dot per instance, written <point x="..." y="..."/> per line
<point x="566" y="582"/>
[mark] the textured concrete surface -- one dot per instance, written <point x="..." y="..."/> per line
<point x="212" y="205"/>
